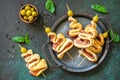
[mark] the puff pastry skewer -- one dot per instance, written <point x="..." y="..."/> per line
<point x="60" y="44"/>
<point x="35" y="65"/>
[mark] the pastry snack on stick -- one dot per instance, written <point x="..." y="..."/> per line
<point x="57" y="40"/>
<point x="85" y="38"/>
<point x="90" y="32"/>
<point x="68" y="44"/>
<point x="88" y="54"/>
<point x="60" y="44"/>
<point x="96" y="48"/>
<point x="34" y="63"/>
<point x="75" y="27"/>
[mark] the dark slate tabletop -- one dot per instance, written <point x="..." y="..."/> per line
<point x="12" y="65"/>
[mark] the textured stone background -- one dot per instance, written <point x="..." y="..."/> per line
<point x="12" y="66"/>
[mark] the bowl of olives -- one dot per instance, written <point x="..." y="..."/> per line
<point x="28" y="13"/>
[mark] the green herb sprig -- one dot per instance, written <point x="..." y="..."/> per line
<point x="115" y="35"/>
<point x="21" y="39"/>
<point x="99" y="8"/>
<point x="50" y="6"/>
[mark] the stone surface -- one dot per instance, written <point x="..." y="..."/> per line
<point x="12" y="65"/>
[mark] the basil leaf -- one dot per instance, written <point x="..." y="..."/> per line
<point x="18" y="39"/>
<point x="116" y="36"/>
<point x="27" y="40"/>
<point x="99" y="8"/>
<point x="50" y="6"/>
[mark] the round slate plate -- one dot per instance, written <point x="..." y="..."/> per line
<point x="62" y="26"/>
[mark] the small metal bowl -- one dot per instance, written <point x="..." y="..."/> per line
<point x="27" y="21"/>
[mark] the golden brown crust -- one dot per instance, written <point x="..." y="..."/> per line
<point x="27" y="55"/>
<point x="33" y="62"/>
<point x="60" y="39"/>
<point x="40" y="68"/>
<point x="96" y="48"/>
<point x="89" y="55"/>
<point x="83" y="43"/>
<point x="75" y="27"/>
<point x="100" y="39"/>
<point x="60" y="44"/>
<point x="94" y="25"/>
<point x="91" y="31"/>
<point x="68" y="44"/>
<point x="52" y="36"/>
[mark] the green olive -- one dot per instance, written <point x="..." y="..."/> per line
<point x="105" y="34"/>
<point x="47" y="29"/>
<point x="95" y="18"/>
<point x="28" y="13"/>
<point x="23" y="50"/>
<point x="25" y="17"/>
<point x="34" y="14"/>
<point x="23" y="12"/>
<point x="32" y="9"/>
<point x="70" y="13"/>
<point x="30" y="18"/>
<point x="27" y="7"/>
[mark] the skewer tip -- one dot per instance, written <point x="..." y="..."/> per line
<point x="44" y="75"/>
<point x="69" y="55"/>
<point x="67" y="7"/>
<point x="44" y="26"/>
<point x="19" y="45"/>
<point x="81" y="61"/>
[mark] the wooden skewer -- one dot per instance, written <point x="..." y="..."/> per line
<point x="81" y="61"/>
<point x="67" y="7"/>
<point x="68" y="52"/>
<point x="69" y="55"/>
<point x="44" y="75"/>
<point x="79" y="54"/>
<point x="44" y="26"/>
<point x="19" y="45"/>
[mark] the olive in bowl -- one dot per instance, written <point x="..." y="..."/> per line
<point x="28" y="13"/>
